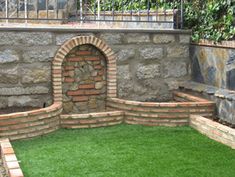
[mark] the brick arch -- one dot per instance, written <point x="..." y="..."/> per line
<point x="67" y="47"/>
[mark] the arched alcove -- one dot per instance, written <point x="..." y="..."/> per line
<point x="72" y="87"/>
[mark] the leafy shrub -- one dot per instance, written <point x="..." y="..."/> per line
<point x="210" y="19"/>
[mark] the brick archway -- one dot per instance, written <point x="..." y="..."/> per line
<point x="67" y="47"/>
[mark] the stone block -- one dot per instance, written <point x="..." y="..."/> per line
<point x="151" y="52"/>
<point x="3" y="102"/>
<point x="125" y="54"/>
<point x="8" y="56"/>
<point x="112" y="38"/>
<point x="26" y="38"/>
<point x="62" y="38"/>
<point x="174" y="69"/>
<point x="35" y="73"/>
<point x="24" y="90"/>
<point x="149" y="71"/>
<point x="31" y="101"/>
<point x="176" y="51"/>
<point x="163" y="38"/>
<point x="138" y="38"/>
<point x="230" y="75"/>
<point x="9" y="76"/>
<point x="123" y="72"/>
<point x="185" y="39"/>
<point x="39" y="54"/>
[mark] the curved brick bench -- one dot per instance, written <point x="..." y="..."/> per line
<point x="165" y="114"/>
<point x="30" y="124"/>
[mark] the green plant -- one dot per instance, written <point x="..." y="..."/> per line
<point x="211" y="19"/>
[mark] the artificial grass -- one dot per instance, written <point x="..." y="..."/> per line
<point x="125" y="151"/>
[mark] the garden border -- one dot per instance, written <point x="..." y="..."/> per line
<point x="10" y="162"/>
<point x="213" y="130"/>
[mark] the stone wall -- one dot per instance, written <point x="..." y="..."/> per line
<point x="149" y="63"/>
<point x="213" y="66"/>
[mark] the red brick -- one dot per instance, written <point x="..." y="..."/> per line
<point x="57" y="71"/>
<point x="75" y="59"/>
<point x="86" y="86"/>
<point x="69" y="67"/>
<point x="69" y="80"/>
<point x="92" y="58"/>
<point x="98" y="67"/>
<point x="12" y="165"/>
<point x="98" y="78"/>
<point x="101" y="73"/>
<point x="80" y="98"/>
<point x="77" y="92"/>
<point x="8" y="150"/>
<point x="83" y="53"/>
<point x="16" y="173"/>
<point x="10" y="158"/>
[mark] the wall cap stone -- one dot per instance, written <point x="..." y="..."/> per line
<point x="210" y="90"/>
<point x="71" y="28"/>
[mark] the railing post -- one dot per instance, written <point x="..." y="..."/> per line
<point x="182" y="14"/>
<point x="81" y="17"/>
<point x="98" y="9"/>
<point x="6" y="6"/>
<point x="25" y="11"/>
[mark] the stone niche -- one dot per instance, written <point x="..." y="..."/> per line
<point x="84" y="80"/>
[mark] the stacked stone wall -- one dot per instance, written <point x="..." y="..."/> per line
<point x="149" y="64"/>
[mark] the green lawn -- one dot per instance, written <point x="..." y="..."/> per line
<point x="125" y="151"/>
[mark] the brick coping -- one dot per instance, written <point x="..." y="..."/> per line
<point x="208" y="89"/>
<point x="222" y="44"/>
<point x="53" y="107"/>
<point x="213" y="130"/>
<point x="191" y="101"/>
<point x="10" y="162"/>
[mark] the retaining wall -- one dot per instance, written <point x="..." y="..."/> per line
<point x="147" y="62"/>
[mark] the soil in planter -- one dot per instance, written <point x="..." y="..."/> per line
<point x="17" y="109"/>
<point x="224" y="123"/>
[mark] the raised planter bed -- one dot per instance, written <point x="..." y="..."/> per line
<point x="214" y="130"/>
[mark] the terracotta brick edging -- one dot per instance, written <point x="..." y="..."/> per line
<point x="10" y="161"/>
<point x="29" y="124"/>
<point x="92" y="120"/>
<point x="213" y="130"/>
<point x="163" y="114"/>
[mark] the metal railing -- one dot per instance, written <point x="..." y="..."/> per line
<point x="158" y="12"/>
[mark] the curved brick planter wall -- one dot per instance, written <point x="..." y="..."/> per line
<point x="92" y="120"/>
<point x="166" y="114"/>
<point x="30" y="124"/>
